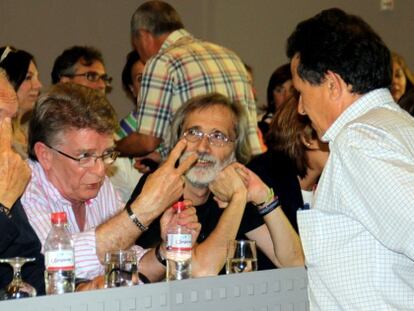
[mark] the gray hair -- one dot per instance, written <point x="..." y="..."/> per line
<point x="157" y="17"/>
<point x="69" y="106"/>
<point x="202" y="102"/>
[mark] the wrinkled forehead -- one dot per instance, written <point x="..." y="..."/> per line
<point x="215" y="117"/>
<point x="94" y="65"/>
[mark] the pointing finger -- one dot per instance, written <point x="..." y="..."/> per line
<point x="176" y="153"/>
<point x="187" y="163"/>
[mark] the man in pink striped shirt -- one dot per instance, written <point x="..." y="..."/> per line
<point x="70" y="147"/>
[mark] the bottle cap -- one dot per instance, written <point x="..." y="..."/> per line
<point x="59" y="218"/>
<point x="179" y="206"/>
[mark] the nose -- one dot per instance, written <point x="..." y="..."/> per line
<point x="100" y="85"/>
<point x="37" y="84"/>
<point x="98" y="168"/>
<point x="203" y="145"/>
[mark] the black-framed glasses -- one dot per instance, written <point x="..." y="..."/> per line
<point x="215" y="138"/>
<point x="93" y="76"/>
<point x="89" y="160"/>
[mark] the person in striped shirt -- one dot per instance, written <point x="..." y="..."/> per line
<point x="70" y="147"/>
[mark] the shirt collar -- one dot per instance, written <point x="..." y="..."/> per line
<point x="374" y="99"/>
<point x="174" y="37"/>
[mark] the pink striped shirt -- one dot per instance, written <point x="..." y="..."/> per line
<point x="41" y="199"/>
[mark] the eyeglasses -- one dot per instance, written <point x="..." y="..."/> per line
<point x="93" y="76"/>
<point x="87" y="160"/>
<point x="216" y="138"/>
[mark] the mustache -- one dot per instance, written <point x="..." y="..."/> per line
<point x="202" y="156"/>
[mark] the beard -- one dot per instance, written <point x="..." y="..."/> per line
<point x="206" y="168"/>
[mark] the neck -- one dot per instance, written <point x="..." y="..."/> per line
<point x="198" y="195"/>
<point x="316" y="162"/>
<point x="308" y="182"/>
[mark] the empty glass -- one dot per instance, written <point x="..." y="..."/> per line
<point x="17" y="288"/>
<point x="241" y="256"/>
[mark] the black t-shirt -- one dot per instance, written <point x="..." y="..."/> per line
<point x="279" y="172"/>
<point x="18" y="239"/>
<point x="208" y="216"/>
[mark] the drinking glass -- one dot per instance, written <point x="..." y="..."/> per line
<point x="120" y="269"/>
<point x="241" y="256"/>
<point x="17" y="288"/>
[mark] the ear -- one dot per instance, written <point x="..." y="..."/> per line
<point x="44" y="155"/>
<point x="336" y="86"/>
<point x="311" y="144"/>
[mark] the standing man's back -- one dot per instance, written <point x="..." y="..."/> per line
<point x="179" y="67"/>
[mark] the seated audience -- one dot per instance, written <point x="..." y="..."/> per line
<point x="17" y="236"/>
<point x="21" y="70"/>
<point x="294" y="161"/>
<point x="70" y="146"/>
<point x="215" y="130"/>
<point x="279" y="90"/>
<point x="402" y="77"/>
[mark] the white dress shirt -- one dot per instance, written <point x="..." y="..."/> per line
<point x="41" y="199"/>
<point x="359" y="238"/>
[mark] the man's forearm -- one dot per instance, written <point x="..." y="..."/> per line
<point x="286" y="242"/>
<point x="210" y="255"/>
<point x="137" y="145"/>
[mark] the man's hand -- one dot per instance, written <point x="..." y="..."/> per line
<point x="14" y="172"/>
<point x="187" y="218"/>
<point x="257" y="190"/>
<point x="165" y="186"/>
<point x="227" y="183"/>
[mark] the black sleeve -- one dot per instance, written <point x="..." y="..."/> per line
<point x="8" y="232"/>
<point x="279" y="173"/>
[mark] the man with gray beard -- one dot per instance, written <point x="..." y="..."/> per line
<point x="220" y="189"/>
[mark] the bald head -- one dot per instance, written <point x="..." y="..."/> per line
<point x="8" y="97"/>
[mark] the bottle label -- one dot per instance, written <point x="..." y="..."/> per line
<point x="179" y="242"/>
<point x="59" y="260"/>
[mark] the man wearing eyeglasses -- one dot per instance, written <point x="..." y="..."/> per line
<point x="70" y="147"/>
<point x="215" y="129"/>
<point x="82" y="65"/>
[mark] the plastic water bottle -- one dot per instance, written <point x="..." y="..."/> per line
<point x="179" y="245"/>
<point x="59" y="257"/>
